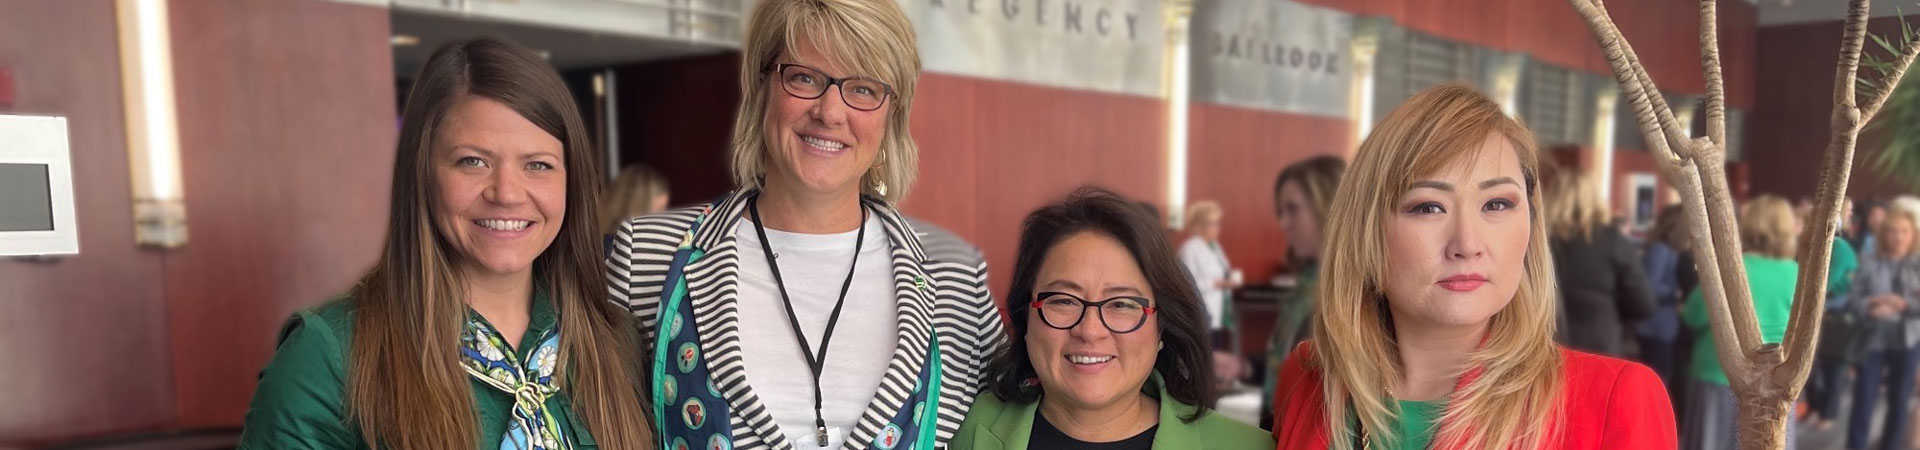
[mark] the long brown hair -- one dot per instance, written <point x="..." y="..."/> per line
<point x="405" y="388"/>
<point x="1513" y="401"/>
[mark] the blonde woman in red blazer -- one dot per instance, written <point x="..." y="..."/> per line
<point x="1437" y="305"/>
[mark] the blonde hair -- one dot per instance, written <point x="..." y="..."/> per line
<point x="1204" y="211"/>
<point x="630" y="195"/>
<point x="1768" y="227"/>
<point x="1572" y="205"/>
<point x="1902" y="206"/>
<point x="871" y="37"/>
<point x="1511" y="395"/>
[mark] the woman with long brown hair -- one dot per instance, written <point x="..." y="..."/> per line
<point x="1437" y="301"/>
<point x="485" y="323"/>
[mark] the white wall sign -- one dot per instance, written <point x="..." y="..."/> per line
<point x="1646" y="199"/>
<point x="1273" y="54"/>
<point x="36" y="187"/>
<point x="1103" y="45"/>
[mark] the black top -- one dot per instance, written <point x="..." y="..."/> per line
<point x="1603" y="290"/>
<point x="1045" y="436"/>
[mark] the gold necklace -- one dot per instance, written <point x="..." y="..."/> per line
<point x="1366" y="440"/>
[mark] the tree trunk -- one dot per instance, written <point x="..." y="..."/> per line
<point x="1762" y="420"/>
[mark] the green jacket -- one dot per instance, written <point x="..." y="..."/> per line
<point x="1840" y="267"/>
<point x="1772" y="282"/>
<point x="300" y="403"/>
<point x="995" y="425"/>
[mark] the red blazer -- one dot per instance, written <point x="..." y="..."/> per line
<point x="1610" y="404"/>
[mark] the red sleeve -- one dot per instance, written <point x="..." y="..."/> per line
<point x="1639" y="415"/>
<point x="1298" y="415"/>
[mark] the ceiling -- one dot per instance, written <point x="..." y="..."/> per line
<point x="565" y="49"/>
<point x="1784" y="12"/>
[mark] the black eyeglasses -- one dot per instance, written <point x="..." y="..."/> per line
<point x="1064" y="311"/>
<point x="861" y="93"/>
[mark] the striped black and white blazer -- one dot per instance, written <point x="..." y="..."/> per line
<point x="961" y="309"/>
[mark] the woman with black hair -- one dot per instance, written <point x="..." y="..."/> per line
<point x="1110" y="351"/>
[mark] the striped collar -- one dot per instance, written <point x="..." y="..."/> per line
<point x="729" y="211"/>
<point x="713" y="290"/>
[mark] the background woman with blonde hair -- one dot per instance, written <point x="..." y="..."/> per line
<point x="485" y="324"/>
<point x="803" y="310"/>
<point x="637" y="191"/>
<point x="1437" y="305"/>
<point x="1207" y="263"/>
<point x="1603" y="289"/>
<point x="1887" y="290"/>
<point x="1768" y="232"/>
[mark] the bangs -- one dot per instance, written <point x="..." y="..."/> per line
<point x="836" y="34"/>
<point x="1452" y="140"/>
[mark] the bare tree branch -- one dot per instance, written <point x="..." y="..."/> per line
<point x="1670" y="126"/>
<point x="1765" y="377"/>
<point x="1741" y="332"/>
<point x="1716" y="84"/>
<point x="1711" y="162"/>
<point x="1852" y="41"/>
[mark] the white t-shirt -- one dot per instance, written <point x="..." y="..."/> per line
<point x="1207" y="267"/>
<point x="814" y="266"/>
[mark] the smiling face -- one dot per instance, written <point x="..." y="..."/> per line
<point x="1089" y="366"/>
<point x="501" y="187"/>
<point x="1457" y="240"/>
<point x="819" y="145"/>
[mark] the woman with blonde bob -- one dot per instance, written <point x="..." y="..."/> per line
<point x="1769" y="233"/>
<point x="802" y="310"/>
<point x="1437" y="305"/>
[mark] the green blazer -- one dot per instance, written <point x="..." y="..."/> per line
<point x="996" y="425"/>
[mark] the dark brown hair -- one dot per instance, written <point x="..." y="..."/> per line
<point x="1185" y="362"/>
<point x="1670" y="228"/>
<point x="405" y="388"/>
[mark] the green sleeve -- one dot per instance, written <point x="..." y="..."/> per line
<point x="299" y="403"/>
<point x="1694" y="313"/>
<point x="1841" y="267"/>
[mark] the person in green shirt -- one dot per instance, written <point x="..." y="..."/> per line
<point x="1768" y="232"/>
<point x="1301" y="195"/>
<point x="485" y="322"/>
<point x="1109" y="350"/>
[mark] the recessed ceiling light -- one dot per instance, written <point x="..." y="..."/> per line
<point x="403" y="40"/>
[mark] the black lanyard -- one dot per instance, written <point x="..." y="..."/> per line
<point x="815" y="362"/>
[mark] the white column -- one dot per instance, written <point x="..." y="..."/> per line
<point x="1366" y="47"/>
<point x="153" y="128"/>
<point x="1605" y="100"/>
<point x="1179" y="16"/>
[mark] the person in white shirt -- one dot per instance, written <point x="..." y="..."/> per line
<point x="803" y="311"/>
<point x="1207" y="263"/>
